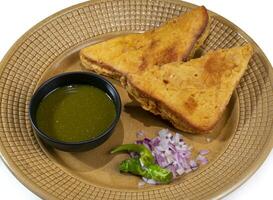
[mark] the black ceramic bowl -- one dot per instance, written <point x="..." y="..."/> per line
<point x="68" y="79"/>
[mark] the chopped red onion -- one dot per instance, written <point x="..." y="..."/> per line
<point x="193" y="164"/>
<point x="203" y="152"/>
<point x="188" y="170"/>
<point x="180" y="171"/>
<point x="139" y="142"/>
<point x="202" y="160"/>
<point x="162" y="133"/>
<point x="159" y="157"/>
<point x="172" y="168"/>
<point x="146" y="142"/>
<point x="155" y="141"/>
<point x="171" y="152"/>
<point x="176" y="138"/>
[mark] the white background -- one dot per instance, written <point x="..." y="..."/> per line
<point x="254" y="17"/>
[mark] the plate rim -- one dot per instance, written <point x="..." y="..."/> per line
<point x="30" y="185"/>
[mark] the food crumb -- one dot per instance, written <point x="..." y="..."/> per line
<point x="208" y="140"/>
<point x="141" y="183"/>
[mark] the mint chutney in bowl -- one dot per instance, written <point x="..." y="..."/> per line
<point x="75" y="111"/>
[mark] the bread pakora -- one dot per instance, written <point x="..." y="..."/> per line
<point x="176" y="40"/>
<point x="191" y="95"/>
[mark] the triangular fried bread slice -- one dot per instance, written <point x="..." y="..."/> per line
<point x="173" y="41"/>
<point x="194" y="94"/>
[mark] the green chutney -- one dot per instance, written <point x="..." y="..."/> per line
<point x="75" y="113"/>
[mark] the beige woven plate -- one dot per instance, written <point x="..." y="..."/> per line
<point x="238" y="147"/>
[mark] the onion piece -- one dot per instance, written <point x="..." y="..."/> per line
<point x="163" y="133"/>
<point x="203" y="152"/>
<point x="193" y="164"/>
<point x="202" y="160"/>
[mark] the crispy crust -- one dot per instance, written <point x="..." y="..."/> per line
<point x="99" y="68"/>
<point x="222" y="67"/>
<point x="151" y="54"/>
<point x="158" y="107"/>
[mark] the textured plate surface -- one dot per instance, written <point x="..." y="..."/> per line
<point x="238" y="147"/>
